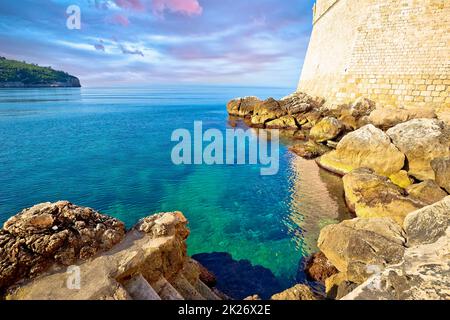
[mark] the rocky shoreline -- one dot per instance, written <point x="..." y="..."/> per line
<point x="395" y="164"/>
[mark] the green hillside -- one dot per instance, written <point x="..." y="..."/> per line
<point x="20" y="74"/>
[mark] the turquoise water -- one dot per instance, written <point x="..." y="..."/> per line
<point x="109" y="149"/>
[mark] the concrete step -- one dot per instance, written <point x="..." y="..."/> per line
<point x="166" y="291"/>
<point x="205" y="291"/>
<point x="139" y="289"/>
<point x="186" y="289"/>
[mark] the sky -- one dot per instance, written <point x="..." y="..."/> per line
<point x="130" y="42"/>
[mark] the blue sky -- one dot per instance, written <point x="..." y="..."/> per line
<point x="128" y="42"/>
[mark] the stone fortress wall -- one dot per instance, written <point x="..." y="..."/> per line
<point x="395" y="52"/>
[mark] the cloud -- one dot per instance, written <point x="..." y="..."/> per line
<point x="99" y="46"/>
<point x="135" y="5"/>
<point x="126" y="50"/>
<point x="187" y="7"/>
<point x="120" y="20"/>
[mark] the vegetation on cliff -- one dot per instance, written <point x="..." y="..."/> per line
<point x="21" y="74"/>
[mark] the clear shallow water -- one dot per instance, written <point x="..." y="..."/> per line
<point x="109" y="149"/>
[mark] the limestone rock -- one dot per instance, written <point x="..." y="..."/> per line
<point x="401" y="179"/>
<point x="356" y="246"/>
<point x="319" y="268"/>
<point x="370" y="195"/>
<point x="443" y="114"/>
<point x="266" y="111"/>
<point x="242" y="107"/>
<point x="52" y="234"/>
<point x="427" y="192"/>
<point x="327" y="129"/>
<point x="286" y="122"/>
<point x="428" y="224"/>
<point x="441" y="168"/>
<point x="366" y="147"/>
<point x="423" y="274"/>
<point x="388" y="117"/>
<point x="421" y="140"/>
<point x="362" y="107"/>
<point x="299" y="102"/>
<point x="309" y="149"/>
<point x="298" y="292"/>
<point x="337" y="286"/>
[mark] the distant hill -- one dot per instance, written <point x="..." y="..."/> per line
<point x="17" y="74"/>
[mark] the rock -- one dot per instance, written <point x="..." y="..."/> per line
<point x="366" y="147"/>
<point x="362" y="107"/>
<point x="443" y="114"/>
<point x="318" y="268"/>
<point x="308" y="120"/>
<point x="421" y="140"/>
<point x="299" y="102"/>
<point x="370" y="195"/>
<point x="427" y="192"/>
<point x="206" y="276"/>
<point x="327" y="129"/>
<point x="387" y="117"/>
<point x="309" y="149"/>
<point x="254" y="298"/>
<point x="401" y="179"/>
<point x="441" y="168"/>
<point x="284" y="122"/>
<point x="337" y="286"/>
<point x="423" y="274"/>
<point x="267" y="111"/>
<point x="428" y="224"/>
<point x="242" y="107"/>
<point x="355" y="246"/>
<point x="298" y="292"/>
<point x="52" y="234"/>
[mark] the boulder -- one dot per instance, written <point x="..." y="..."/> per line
<point x="401" y="179"/>
<point x="362" y="107"/>
<point x="284" y="122"/>
<point x="428" y="224"/>
<point x="242" y="107"/>
<point x="443" y="114"/>
<point x="370" y="195"/>
<point x="319" y="268"/>
<point x="298" y="292"/>
<point x="388" y="116"/>
<point x="423" y="274"/>
<point x="355" y="247"/>
<point x="326" y="129"/>
<point x="52" y="234"/>
<point x="366" y="147"/>
<point x="427" y="192"/>
<point x="441" y="168"/>
<point x="266" y="111"/>
<point x="299" y="102"/>
<point x="309" y="119"/>
<point x="422" y="141"/>
<point x="309" y="149"/>
<point x="337" y="286"/>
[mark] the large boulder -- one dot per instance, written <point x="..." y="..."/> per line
<point x="370" y="195"/>
<point x="423" y="274"/>
<point x="51" y="234"/>
<point x="242" y="107"/>
<point x="356" y="247"/>
<point x="422" y="141"/>
<point x="326" y="129"/>
<point x="298" y="292"/>
<point x="267" y="111"/>
<point x="299" y="102"/>
<point x="319" y="268"/>
<point x="428" y="224"/>
<point x="366" y="147"/>
<point x="427" y="192"/>
<point x="309" y="149"/>
<point x="441" y="168"/>
<point x="386" y="117"/>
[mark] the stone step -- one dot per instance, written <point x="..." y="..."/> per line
<point x="166" y="291"/>
<point x="139" y="289"/>
<point x="205" y="291"/>
<point x="186" y="289"/>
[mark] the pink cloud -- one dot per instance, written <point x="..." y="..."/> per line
<point x="121" y="20"/>
<point x="130" y="4"/>
<point x="187" y="7"/>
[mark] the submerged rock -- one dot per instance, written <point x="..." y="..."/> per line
<point x="52" y="234"/>
<point x="296" y="293"/>
<point x="367" y="147"/>
<point x="422" y="141"/>
<point x="326" y="129"/>
<point x="441" y="168"/>
<point x="373" y="196"/>
<point x="356" y="247"/>
<point x="319" y="268"/>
